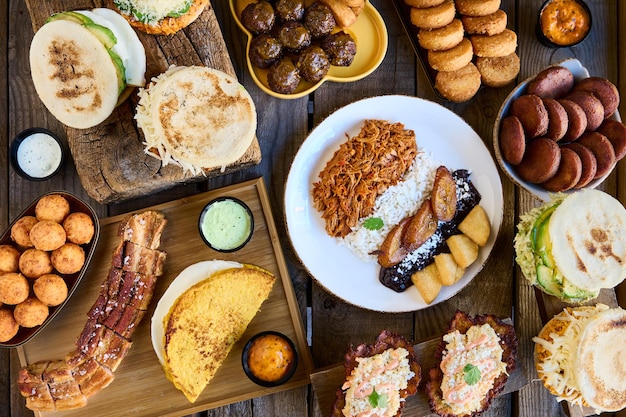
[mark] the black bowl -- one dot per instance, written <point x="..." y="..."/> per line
<point x="543" y="37"/>
<point x="240" y="243"/>
<point x="17" y="143"/>
<point x="289" y="369"/>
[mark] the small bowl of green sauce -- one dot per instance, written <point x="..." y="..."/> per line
<point x="226" y="224"/>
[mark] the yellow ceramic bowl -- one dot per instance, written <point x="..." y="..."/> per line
<point x="369" y="33"/>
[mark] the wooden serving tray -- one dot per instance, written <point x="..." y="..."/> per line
<point x="109" y="158"/>
<point x="326" y="381"/>
<point x="140" y="387"/>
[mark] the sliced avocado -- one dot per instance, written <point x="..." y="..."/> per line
<point x="70" y="15"/>
<point x="543" y="244"/>
<point x="541" y="221"/>
<point x="121" y="71"/>
<point x="545" y="278"/>
<point x="572" y="291"/>
<point x="104" y="34"/>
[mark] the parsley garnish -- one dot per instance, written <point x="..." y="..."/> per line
<point x="373" y="223"/>
<point x="472" y="374"/>
<point x="377" y="400"/>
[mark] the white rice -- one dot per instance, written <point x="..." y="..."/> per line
<point x="396" y="203"/>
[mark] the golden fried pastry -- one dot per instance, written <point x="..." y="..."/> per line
<point x="53" y="207"/>
<point x="615" y="132"/>
<point x="47" y="235"/>
<point x="451" y="59"/>
<point x="8" y="325"/>
<point x="9" y="259"/>
<point x="68" y="259"/>
<point x="558" y="121"/>
<point x="552" y="82"/>
<point x="442" y="38"/>
<point x="588" y="162"/>
<point x="50" y="289"/>
<point x="459" y="85"/>
<point x="345" y="15"/>
<point x="477" y="7"/>
<point x="602" y="88"/>
<point x="502" y="44"/>
<point x="531" y="111"/>
<point x="577" y="120"/>
<point x="433" y="17"/>
<point x="541" y="161"/>
<point x="498" y="71"/>
<point x="568" y="174"/>
<point x="30" y="312"/>
<point x="35" y="263"/>
<point x="591" y="105"/>
<point x="491" y="24"/>
<point x="20" y="231"/>
<point x="602" y="149"/>
<point x="14" y="288"/>
<point x="512" y="140"/>
<point x="79" y="228"/>
<point x="421" y="4"/>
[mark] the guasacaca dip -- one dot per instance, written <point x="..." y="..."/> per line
<point x="565" y="22"/>
<point x="226" y="224"/>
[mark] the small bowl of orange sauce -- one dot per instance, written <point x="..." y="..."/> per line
<point x="563" y="23"/>
<point x="269" y="358"/>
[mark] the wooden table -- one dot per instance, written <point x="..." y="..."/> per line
<point x="283" y="126"/>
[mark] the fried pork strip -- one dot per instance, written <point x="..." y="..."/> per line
<point x="105" y="340"/>
<point x="359" y="171"/>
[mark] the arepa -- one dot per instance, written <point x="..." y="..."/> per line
<point x="588" y="234"/>
<point x="196" y="117"/>
<point x="207" y="320"/>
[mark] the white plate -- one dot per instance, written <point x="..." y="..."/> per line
<point x="188" y="277"/>
<point x="439" y="132"/>
<point x="579" y="72"/>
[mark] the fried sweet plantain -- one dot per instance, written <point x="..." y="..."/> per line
<point x="443" y="199"/>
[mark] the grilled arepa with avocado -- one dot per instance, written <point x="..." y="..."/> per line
<point x="207" y="320"/>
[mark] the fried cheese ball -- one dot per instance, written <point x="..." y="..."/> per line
<point x="8" y="325"/>
<point x="35" y="263"/>
<point x="68" y="259"/>
<point x="20" y="231"/>
<point x="9" y="259"/>
<point x="50" y="289"/>
<point x="31" y="312"/>
<point x="53" y="207"/>
<point x="14" y="288"/>
<point x="79" y="228"/>
<point x="47" y="235"/>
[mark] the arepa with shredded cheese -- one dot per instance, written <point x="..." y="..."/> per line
<point x="196" y="117"/>
<point x="160" y="17"/>
<point x="579" y="357"/>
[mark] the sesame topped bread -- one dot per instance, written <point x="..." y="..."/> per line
<point x="207" y="320"/>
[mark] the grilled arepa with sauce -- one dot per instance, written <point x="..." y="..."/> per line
<point x="207" y="320"/>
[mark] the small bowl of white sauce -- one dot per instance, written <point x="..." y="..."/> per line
<point x="226" y="224"/>
<point x="37" y="154"/>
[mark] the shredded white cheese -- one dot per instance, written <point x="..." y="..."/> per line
<point x="151" y="11"/>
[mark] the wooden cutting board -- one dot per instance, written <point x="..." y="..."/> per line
<point x="140" y="387"/>
<point x="109" y="157"/>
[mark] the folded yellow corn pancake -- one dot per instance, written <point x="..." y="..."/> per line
<point x="207" y="320"/>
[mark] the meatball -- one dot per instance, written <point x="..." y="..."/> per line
<point x="319" y="20"/>
<point x="283" y="77"/>
<point x="290" y="10"/>
<point x="313" y="64"/>
<point x="265" y="50"/>
<point x="340" y="48"/>
<point x="258" y="17"/>
<point x="294" y="36"/>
